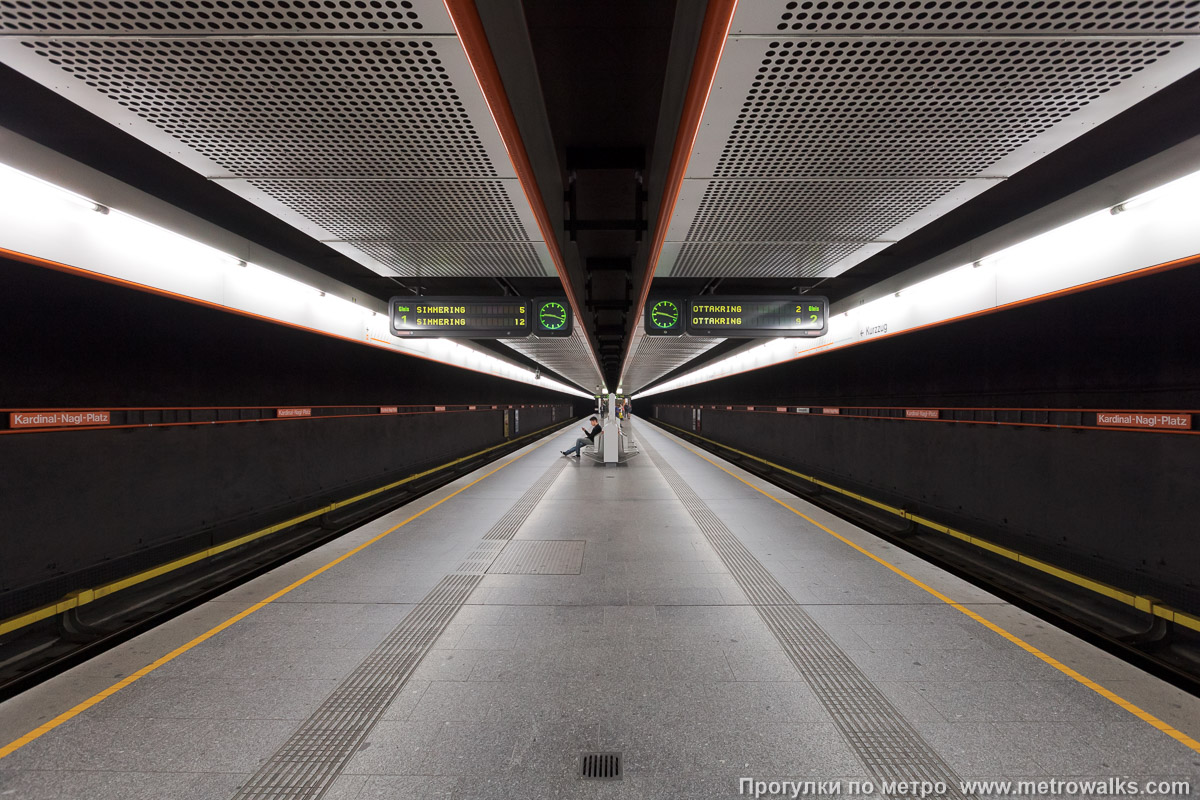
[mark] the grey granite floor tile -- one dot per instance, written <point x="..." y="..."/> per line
<point x="539" y="616"/>
<point x="488" y="637"/>
<point x="346" y="787"/>
<point x="407" y="699"/>
<point x="755" y="664"/>
<point x="695" y="664"/>
<point x="809" y="750"/>
<point x="153" y="745"/>
<point x="448" y="665"/>
<point x="264" y="697"/>
<point x="1136" y="746"/>
<point x="553" y="747"/>
<point x="472" y="700"/>
<point x="747" y="704"/>
<point x="396" y="748"/>
<point x="981" y="748"/>
<point x="69" y="784"/>
<point x="475" y="748"/>
<point x="403" y="787"/>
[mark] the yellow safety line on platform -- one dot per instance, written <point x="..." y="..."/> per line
<point x="1148" y="605"/>
<point x="84" y="596"/>
<point x="41" y="730"/>
<point x="1058" y="665"/>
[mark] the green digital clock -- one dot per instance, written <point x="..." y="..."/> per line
<point x="663" y="317"/>
<point x="552" y="317"/>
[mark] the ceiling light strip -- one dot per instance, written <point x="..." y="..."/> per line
<point x="471" y="35"/>
<point x="1101" y="249"/>
<point x="54" y="228"/>
<point x="713" y="35"/>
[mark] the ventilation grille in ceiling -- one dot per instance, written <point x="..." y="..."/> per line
<point x="917" y="108"/>
<point x="939" y="16"/>
<point x="434" y="211"/>
<point x="818" y="211"/>
<point x="276" y="107"/>
<point x="216" y="16"/>
<point x="457" y="259"/>
<point x="759" y="259"/>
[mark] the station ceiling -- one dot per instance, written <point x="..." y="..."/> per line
<point x="605" y="150"/>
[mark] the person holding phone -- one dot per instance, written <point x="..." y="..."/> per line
<point x="581" y="442"/>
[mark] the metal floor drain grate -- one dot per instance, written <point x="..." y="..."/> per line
<point x="600" y="766"/>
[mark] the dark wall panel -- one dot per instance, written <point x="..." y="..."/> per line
<point x="82" y="507"/>
<point x="1118" y="506"/>
<point x="82" y="498"/>
<point x="71" y="341"/>
<point x="1113" y="505"/>
<point x="1128" y="345"/>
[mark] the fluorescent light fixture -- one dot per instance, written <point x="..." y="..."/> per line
<point x="1089" y="249"/>
<point x="1184" y="190"/>
<point x="24" y="187"/>
<point x="1144" y="199"/>
<point x="36" y="219"/>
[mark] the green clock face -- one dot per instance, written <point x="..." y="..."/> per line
<point x="552" y="316"/>
<point x="664" y="314"/>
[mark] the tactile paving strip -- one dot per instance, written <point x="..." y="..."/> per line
<point x="310" y="761"/>
<point x="508" y="525"/>
<point x="316" y="753"/>
<point x="888" y="746"/>
<point x="540" y="557"/>
<point x="478" y="560"/>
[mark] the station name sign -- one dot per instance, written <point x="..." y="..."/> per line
<point x="738" y="317"/>
<point x="479" y="317"/>
<point x="1143" y="419"/>
<point x="58" y="419"/>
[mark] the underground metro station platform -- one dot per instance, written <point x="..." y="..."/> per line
<point x="700" y="623"/>
<point x="689" y="399"/>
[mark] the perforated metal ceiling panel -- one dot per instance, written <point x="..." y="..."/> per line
<point x="359" y="122"/>
<point x="836" y="128"/>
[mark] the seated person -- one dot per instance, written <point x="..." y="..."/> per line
<point x="581" y="442"/>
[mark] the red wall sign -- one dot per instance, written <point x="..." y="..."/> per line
<point x="389" y="409"/>
<point x="1136" y="419"/>
<point x="293" y="412"/>
<point x="922" y="413"/>
<point x="57" y="419"/>
<point x="831" y="411"/>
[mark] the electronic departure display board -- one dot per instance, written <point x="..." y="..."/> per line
<point x="664" y="316"/>
<point x="461" y="317"/>
<point x="757" y="317"/>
